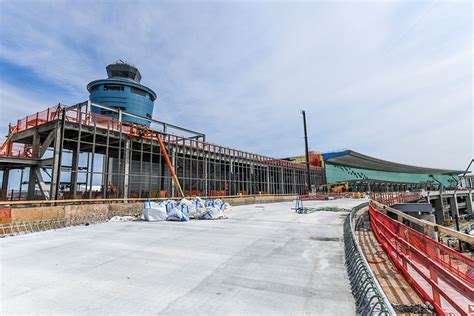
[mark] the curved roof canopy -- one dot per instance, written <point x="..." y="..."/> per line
<point x="356" y="160"/>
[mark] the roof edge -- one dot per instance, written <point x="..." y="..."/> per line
<point x="389" y="164"/>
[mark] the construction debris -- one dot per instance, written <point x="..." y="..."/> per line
<point x="423" y="309"/>
<point x="123" y="218"/>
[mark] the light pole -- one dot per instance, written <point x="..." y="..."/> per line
<point x="308" y="176"/>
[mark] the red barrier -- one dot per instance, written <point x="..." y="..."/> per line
<point x="438" y="273"/>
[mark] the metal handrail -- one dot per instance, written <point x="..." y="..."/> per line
<point x="369" y="295"/>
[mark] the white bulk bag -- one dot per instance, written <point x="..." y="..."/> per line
<point x="175" y="214"/>
<point x="210" y="213"/>
<point x="155" y="212"/>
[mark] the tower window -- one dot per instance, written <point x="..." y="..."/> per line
<point x="108" y="112"/>
<point x="113" y="87"/>
<point x="138" y="91"/>
<point x="124" y="74"/>
<point x="94" y="88"/>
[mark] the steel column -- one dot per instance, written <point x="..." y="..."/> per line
<point x="126" y="168"/>
<point x="5" y="179"/>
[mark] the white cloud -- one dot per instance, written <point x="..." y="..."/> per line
<point x="16" y="104"/>
<point x="390" y="79"/>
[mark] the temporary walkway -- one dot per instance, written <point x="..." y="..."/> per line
<point x="398" y="290"/>
<point x="263" y="259"/>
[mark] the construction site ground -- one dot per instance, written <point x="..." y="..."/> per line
<point x="262" y="259"/>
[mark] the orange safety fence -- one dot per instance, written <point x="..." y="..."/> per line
<point x="38" y="118"/>
<point x="11" y="149"/>
<point x="19" y="150"/>
<point x="441" y="275"/>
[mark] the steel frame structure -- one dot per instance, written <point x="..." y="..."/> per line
<point x="75" y="153"/>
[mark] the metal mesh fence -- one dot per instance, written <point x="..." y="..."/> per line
<point x="370" y="298"/>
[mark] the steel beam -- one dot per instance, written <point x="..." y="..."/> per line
<point x="126" y="169"/>
<point x="54" y="186"/>
<point x="5" y="179"/>
<point x="74" y="172"/>
<point x="469" y="203"/>
<point x="42" y="184"/>
<point x="47" y="143"/>
<point x="439" y="210"/>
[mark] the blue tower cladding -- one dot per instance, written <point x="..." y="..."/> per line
<point x="122" y="90"/>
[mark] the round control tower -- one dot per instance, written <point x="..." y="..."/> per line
<point x="122" y="90"/>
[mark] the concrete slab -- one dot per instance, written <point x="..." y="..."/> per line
<point x="263" y="259"/>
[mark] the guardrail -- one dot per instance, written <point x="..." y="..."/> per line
<point x="438" y="273"/>
<point x="369" y="296"/>
<point x="390" y="198"/>
<point x="430" y="229"/>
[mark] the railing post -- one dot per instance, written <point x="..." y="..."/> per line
<point x="88" y="110"/>
<point x="78" y="109"/>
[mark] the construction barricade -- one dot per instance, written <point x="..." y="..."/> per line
<point x="441" y="275"/>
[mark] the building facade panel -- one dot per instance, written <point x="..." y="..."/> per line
<point x="337" y="173"/>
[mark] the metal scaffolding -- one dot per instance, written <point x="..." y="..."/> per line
<point x="72" y="153"/>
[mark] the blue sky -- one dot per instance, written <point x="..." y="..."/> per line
<point x="388" y="79"/>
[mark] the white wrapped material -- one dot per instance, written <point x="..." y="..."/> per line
<point x="175" y="214"/>
<point x="184" y="209"/>
<point x="188" y="207"/>
<point x="210" y="213"/>
<point x="155" y="211"/>
<point x="199" y="202"/>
